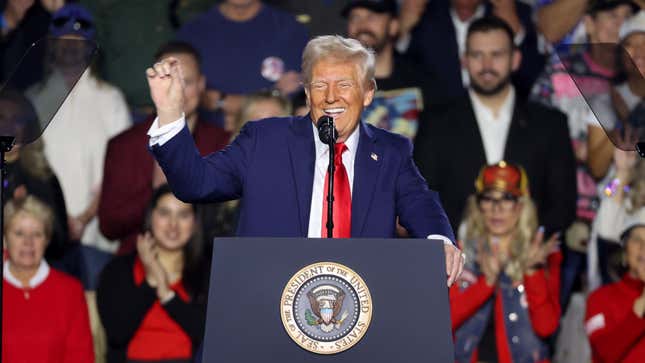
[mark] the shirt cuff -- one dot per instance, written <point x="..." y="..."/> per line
<point x="446" y="240"/>
<point x="161" y="135"/>
<point x="167" y="298"/>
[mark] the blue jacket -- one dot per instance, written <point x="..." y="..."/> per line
<point x="270" y="165"/>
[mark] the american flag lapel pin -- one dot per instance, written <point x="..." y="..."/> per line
<point x="374" y="157"/>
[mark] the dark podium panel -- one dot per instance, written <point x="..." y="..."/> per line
<point x="406" y="278"/>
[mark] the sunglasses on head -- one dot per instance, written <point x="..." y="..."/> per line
<point x="82" y="23"/>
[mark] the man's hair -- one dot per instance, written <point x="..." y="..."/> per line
<point x="340" y="49"/>
<point x="178" y="47"/>
<point x="488" y="24"/>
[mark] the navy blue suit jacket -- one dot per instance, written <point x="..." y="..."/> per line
<point x="270" y="165"/>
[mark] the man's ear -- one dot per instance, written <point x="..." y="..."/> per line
<point x="369" y="93"/>
<point x="517" y="59"/>
<point x="394" y="27"/>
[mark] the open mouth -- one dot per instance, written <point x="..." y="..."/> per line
<point x="334" y="112"/>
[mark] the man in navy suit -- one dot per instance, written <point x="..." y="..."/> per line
<point x="278" y="166"/>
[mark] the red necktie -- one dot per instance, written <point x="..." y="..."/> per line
<point x="342" y="197"/>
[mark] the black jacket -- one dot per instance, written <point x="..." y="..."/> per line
<point x="123" y="305"/>
<point x="449" y="153"/>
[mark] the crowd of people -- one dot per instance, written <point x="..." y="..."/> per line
<point x="523" y="115"/>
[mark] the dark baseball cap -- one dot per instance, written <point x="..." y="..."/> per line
<point x="377" y="6"/>
<point x="603" y="5"/>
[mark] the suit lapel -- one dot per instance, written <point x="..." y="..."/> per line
<point x="367" y="165"/>
<point x="516" y="135"/>
<point x="472" y="138"/>
<point x="303" y="160"/>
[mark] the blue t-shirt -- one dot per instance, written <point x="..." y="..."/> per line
<point x="244" y="57"/>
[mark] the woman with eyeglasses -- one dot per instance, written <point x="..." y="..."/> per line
<point x="153" y="303"/>
<point x="506" y="302"/>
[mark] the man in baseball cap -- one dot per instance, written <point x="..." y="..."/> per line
<point x="403" y="91"/>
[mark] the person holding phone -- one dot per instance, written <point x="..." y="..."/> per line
<point x="152" y="303"/>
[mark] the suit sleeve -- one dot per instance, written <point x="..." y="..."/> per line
<point x="214" y="178"/>
<point x="532" y="61"/>
<point x="419" y="208"/>
<point x="560" y="198"/>
<point x="122" y="203"/>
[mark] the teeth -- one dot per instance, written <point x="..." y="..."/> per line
<point x="334" y="110"/>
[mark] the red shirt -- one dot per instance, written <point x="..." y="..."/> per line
<point x="616" y="334"/>
<point x="127" y="179"/>
<point x="48" y="323"/>
<point x="159" y="336"/>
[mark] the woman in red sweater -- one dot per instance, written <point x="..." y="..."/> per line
<point x="44" y="317"/>
<point x="152" y="304"/>
<point x="506" y="302"/>
<point x="615" y="313"/>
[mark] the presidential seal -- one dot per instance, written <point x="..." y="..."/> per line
<point x="326" y="308"/>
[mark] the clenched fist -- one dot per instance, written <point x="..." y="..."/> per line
<point x="166" y="82"/>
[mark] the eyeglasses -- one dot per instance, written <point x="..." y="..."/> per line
<point x="505" y="203"/>
<point x="79" y="24"/>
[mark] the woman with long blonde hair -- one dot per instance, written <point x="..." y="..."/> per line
<point x="506" y="302"/>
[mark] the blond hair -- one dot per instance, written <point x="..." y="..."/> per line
<point x="522" y="235"/>
<point x="32" y="206"/>
<point x="340" y="49"/>
<point x="33" y="160"/>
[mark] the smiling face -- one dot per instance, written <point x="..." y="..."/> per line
<point x="339" y="90"/>
<point x="172" y="223"/>
<point x="374" y="30"/>
<point x="26" y="241"/>
<point x="490" y="59"/>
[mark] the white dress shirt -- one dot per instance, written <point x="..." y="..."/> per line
<point x="161" y="135"/>
<point x="320" y="172"/>
<point x="494" y="128"/>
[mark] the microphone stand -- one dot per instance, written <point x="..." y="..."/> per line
<point x="328" y="135"/>
<point x="330" y="191"/>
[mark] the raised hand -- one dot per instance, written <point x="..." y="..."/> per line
<point x="490" y="266"/>
<point x="624" y="161"/>
<point x="166" y="83"/>
<point x="538" y="251"/>
<point x="147" y="250"/>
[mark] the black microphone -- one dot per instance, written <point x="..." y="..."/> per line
<point x="327" y="130"/>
